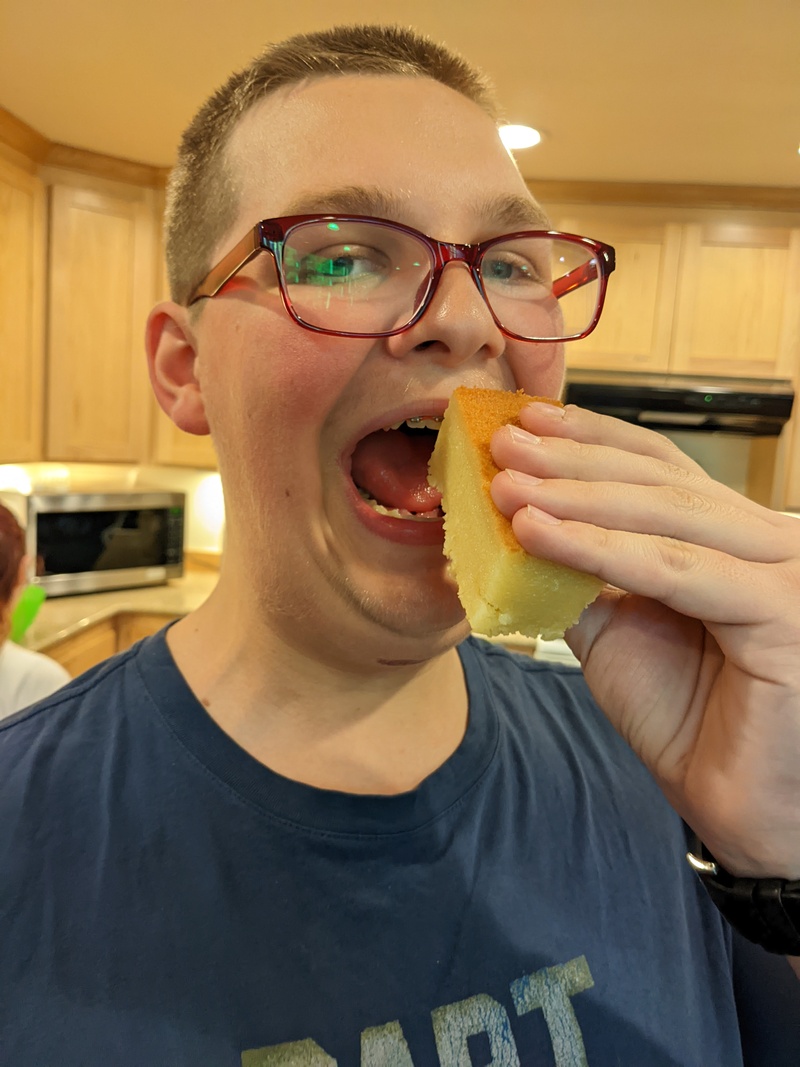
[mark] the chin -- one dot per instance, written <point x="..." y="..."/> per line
<point x="436" y="624"/>
<point x="415" y="645"/>
<point x="396" y="620"/>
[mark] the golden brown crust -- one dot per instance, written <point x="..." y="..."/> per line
<point x="484" y="411"/>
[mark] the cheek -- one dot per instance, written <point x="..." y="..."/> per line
<point x="538" y="369"/>
<point x="268" y="381"/>
<point x="310" y="372"/>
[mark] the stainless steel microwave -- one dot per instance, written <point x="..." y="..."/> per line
<point x="85" y="542"/>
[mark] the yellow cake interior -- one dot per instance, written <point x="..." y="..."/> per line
<point x="503" y="589"/>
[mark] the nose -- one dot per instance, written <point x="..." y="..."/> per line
<point x="456" y="325"/>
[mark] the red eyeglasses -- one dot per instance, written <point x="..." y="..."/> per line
<point x="359" y="276"/>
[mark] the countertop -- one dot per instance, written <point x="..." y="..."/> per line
<point x="65" y="616"/>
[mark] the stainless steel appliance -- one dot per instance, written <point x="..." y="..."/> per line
<point x="82" y="542"/>
<point x="730" y="426"/>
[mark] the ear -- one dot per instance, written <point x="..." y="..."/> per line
<point x="171" y="361"/>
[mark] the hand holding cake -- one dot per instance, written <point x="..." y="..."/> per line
<point x="687" y="648"/>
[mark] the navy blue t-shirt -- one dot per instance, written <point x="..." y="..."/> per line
<point x="167" y="901"/>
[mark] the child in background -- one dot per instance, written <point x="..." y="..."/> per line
<point x="25" y="676"/>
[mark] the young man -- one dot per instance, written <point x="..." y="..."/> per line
<point x="317" y="823"/>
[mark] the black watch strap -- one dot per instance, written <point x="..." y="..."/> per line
<point x="764" y="910"/>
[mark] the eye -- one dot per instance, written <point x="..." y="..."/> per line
<point x="511" y="268"/>
<point x="336" y="265"/>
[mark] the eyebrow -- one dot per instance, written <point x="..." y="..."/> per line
<point x="508" y="212"/>
<point x="515" y="211"/>
<point x="349" y="199"/>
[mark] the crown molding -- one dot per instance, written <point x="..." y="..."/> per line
<point x="668" y="194"/>
<point x="40" y="150"/>
<point x="22" y="138"/>
<point x="102" y="166"/>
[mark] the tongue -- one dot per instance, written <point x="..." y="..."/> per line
<point x="393" y="468"/>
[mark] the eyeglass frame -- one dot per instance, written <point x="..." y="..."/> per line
<point x="270" y="235"/>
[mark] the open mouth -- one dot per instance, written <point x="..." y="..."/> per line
<point x="390" y="470"/>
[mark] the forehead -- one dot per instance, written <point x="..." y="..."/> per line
<point x="404" y="147"/>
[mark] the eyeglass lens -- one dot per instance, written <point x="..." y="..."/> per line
<point x="363" y="277"/>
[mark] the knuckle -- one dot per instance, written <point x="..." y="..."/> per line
<point x="684" y="499"/>
<point x="677" y="556"/>
<point x="677" y="474"/>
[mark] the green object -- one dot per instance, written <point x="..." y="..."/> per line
<point x="27" y="607"/>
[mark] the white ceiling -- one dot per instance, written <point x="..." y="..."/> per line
<point x="623" y="90"/>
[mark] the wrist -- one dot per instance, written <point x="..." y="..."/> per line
<point x="764" y="910"/>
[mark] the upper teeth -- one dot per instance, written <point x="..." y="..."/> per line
<point x="418" y="422"/>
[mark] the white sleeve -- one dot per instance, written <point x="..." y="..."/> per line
<point x="27" y="677"/>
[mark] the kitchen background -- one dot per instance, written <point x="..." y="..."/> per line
<point x="670" y="131"/>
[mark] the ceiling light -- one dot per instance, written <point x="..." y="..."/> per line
<point x="514" y="137"/>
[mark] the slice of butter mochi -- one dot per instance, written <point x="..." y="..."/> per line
<point x="502" y="588"/>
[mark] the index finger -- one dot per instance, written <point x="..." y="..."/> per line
<point x="589" y="427"/>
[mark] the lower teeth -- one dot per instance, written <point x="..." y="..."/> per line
<point x="398" y="513"/>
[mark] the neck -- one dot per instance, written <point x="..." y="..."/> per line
<point x="355" y="727"/>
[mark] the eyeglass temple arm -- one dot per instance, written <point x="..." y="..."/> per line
<point x="229" y="265"/>
<point x="587" y="272"/>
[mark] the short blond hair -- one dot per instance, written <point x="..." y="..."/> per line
<point x="202" y="196"/>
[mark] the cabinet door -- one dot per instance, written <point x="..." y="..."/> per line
<point x="176" y="448"/>
<point x="634" y="332"/>
<point x="22" y="243"/>
<point x="132" y="626"/>
<point x="85" y="649"/>
<point x="102" y="268"/>
<point x="738" y="300"/>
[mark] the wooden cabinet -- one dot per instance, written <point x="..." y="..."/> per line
<point x="102" y="284"/>
<point x="635" y="330"/>
<point x="22" y="269"/>
<point x="104" y="277"/>
<point x="173" y="447"/>
<point x="97" y="642"/>
<point x="132" y="626"/>
<point x="694" y="292"/>
<point x="738" y="301"/>
<point x="86" y="648"/>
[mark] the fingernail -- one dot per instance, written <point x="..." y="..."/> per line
<point x="522" y="437"/>
<point x="521" y="478"/>
<point x="553" y="411"/>
<point x="541" y="516"/>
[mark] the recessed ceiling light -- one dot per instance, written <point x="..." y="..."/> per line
<point x="514" y="137"/>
